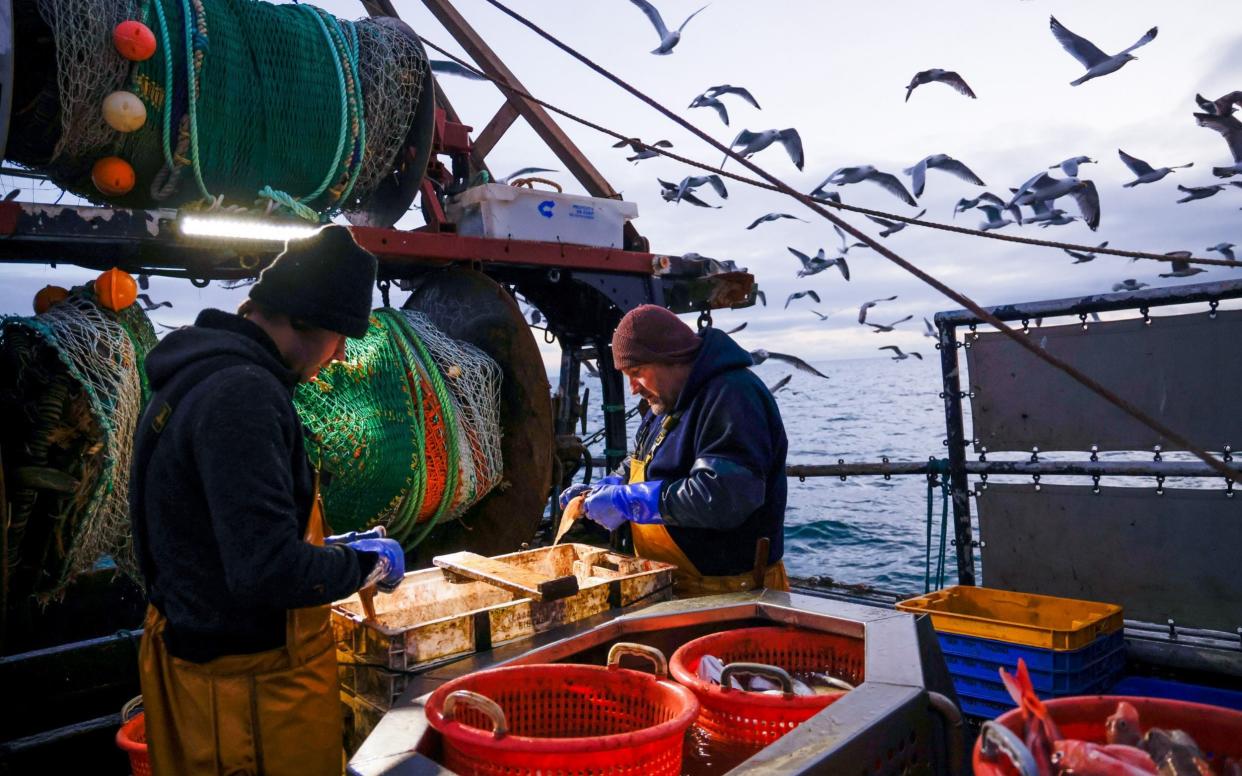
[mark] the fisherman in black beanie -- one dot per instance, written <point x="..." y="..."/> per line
<point x="228" y="528"/>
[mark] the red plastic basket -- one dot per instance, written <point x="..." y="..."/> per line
<point x="1217" y="730"/>
<point x="132" y="738"/>
<point x="569" y="720"/>
<point x="754" y="719"/>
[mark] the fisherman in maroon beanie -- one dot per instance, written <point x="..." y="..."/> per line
<point x="705" y="487"/>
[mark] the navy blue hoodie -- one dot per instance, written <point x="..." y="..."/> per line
<point x="226" y="496"/>
<point x="723" y="464"/>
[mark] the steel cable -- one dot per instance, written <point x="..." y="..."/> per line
<point x="953" y="228"/>
<point x="965" y="301"/>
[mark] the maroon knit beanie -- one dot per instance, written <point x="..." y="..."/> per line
<point x="650" y="334"/>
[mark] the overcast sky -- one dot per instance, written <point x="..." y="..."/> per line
<point x="837" y="72"/>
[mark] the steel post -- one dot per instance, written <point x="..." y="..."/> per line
<point x="956" y="440"/>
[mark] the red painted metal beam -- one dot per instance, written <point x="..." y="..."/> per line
<point x="394" y="247"/>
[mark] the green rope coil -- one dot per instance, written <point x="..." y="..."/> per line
<point x="263" y="102"/>
<point x="368" y="430"/>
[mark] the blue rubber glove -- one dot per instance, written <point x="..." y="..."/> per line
<point x="389" y="568"/>
<point x="613" y="505"/>
<point x="577" y="489"/>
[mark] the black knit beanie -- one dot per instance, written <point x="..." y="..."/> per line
<point x="324" y="280"/>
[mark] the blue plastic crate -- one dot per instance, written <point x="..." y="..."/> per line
<point x="989" y="699"/>
<point x="1068" y="682"/>
<point x="1037" y="659"/>
<point x="1145" y="686"/>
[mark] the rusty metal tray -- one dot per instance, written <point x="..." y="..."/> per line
<point x="436" y="615"/>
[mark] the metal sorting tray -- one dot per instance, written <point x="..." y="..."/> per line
<point x="433" y="615"/>
<point x="902" y="719"/>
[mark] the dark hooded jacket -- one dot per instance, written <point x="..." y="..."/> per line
<point x="723" y="464"/>
<point x="220" y="511"/>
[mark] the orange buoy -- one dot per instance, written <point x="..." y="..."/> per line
<point x="134" y="40"/>
<point x="113" y="176"/>
<point x="124" y="112"/>
<point x="48" y="296"/>
<point x="116" y="289"/>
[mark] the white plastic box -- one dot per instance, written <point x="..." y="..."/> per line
<point x="501" y="211"/>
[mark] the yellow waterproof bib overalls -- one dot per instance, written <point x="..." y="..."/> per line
<point x="274" y="712"/>
<point x="653" y="542"/>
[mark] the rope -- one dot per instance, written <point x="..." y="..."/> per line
<point x="965" y="301"/>
<point x="504" y="86"/>
<point x="938" y="474"/>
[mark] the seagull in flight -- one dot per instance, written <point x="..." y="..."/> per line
<point x="711" y="99"/>
<point x="148" y="305"/>
<point x="711" y="102"/>
<point x="773" y="217"/>
<point x="994" y="218"/>
<point x="642" y="150"/>
<point x="1224" y="249"/>
<point x="683" y="191"/>
<point x="821" y="316"/>
<point x="1044" y="187"/>
<point x="813" y="266"/>
<point x="525" y="171"/>
<point x="881" y="328"/>
<point x="845" y="243"/>
<point x="1070" y="166"/>
<point x="1097" y="62"/>
<point x="1081" y="257"/>
<point x="781" y="383"/>
<point x="800" y="294"/>
<point x="1228" y="172"/>
<point x="761" y="355"/>
<point x="1199" y="192"/>
<point x="918" y="173"/>
<point x="1129" y="284"/>
<point x="749" y="143"/>
<point x="447" y="67"/>
<point x="737" y="328"/>
<point x="899" y="356"/>
<point x="668" y="38"/>
<point x="1181" y="267"/>
<point x="862" y="310"/>
<point x="986" y="197"/>
<point x="893" y="227"/>
<point x="930" y="330"/>
<point x="947" y="77"/>
<point x="843" y="176"/>
<point x="1144" y="171"/>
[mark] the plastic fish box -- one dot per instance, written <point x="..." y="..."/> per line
<point x="1054" y="681"/>
<point x="501" y="211"/>
<point x="1038" y="660"/>
<point x="433" y="616"/>
<point x="1018" y="618"/>
<point x="990" y="699"/>
<point x="1149" y="687"/>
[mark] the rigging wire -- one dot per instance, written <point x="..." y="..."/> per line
<point x="952" y="228"/>
<point x="1023" y="341"/>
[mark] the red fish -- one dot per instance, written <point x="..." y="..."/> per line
<point x="1040" y="731"/>
<point x="1081" y="758"/>
<point x="1123" y="726"/>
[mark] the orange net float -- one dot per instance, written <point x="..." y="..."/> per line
<point x="134" y="40"/>
<point x="48" y="296"/>
<point x="116" y="289"/>
<point x="113" y="176"/>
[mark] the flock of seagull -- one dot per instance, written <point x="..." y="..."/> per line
<point x="1033" y="202"/>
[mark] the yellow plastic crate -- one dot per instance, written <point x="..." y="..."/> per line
<point x="1018" y="618"/>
